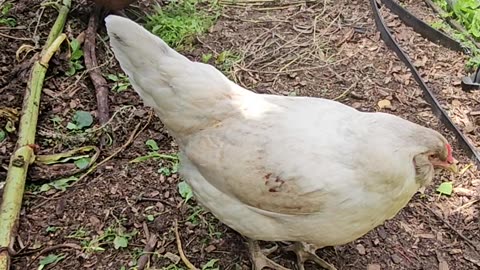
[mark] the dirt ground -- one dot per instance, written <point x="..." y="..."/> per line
<point x="328" y="49"/>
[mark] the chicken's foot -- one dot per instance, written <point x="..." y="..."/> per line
<point x="259" y="257"/>
<point x="306" y="252"/>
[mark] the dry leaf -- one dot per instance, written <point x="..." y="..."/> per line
<point x="384" y="103"/>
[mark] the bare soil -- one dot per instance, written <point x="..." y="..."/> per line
<point x="328" y="49"/>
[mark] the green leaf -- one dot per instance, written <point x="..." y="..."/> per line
<point x="82" y="119"/>
<point x="52" y="229"/>
<point x="206" y="57"/>
<point x="445" y="188"/>
<point x="10" y="127"/>
<point x="64" y="183"/>
<point x="209" y="265"/>
<point x="185" y="191"/>
<point x="120" y="242"/>
<point x="75" y="44"/>
<point x="72" y="126"/>
<point x="50" y="259"/>
<point x="150" y="218"/>
<point x="82" y="163"/>
<point x="122" y="87"/>
<point x="165" y="171"/>
<point x="6" y="8"/>
<point x="3" y="135"/>
<point x="45" y="188"/>
<point x="112" y="77"/>
<point x="76" y="55"/>
<point x="152" y="145"/>
<point x="71" y="70"/>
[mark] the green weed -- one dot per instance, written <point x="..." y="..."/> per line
<point x="179" y="22"/>
<point x="5" y="19"/>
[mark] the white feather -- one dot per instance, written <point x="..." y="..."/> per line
<point x="274" y="167"/>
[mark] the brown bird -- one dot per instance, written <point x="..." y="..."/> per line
<point x="113" y="4"/>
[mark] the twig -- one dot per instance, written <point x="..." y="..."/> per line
<point x="180" y="249"/>
<point x="91" y="63"/>
<point x="48" y="249"/>
<point x="12" y="37"/>
<point x="346" y="91"/>
<point x="475" y="246"/>
<point x="149" y="247"/>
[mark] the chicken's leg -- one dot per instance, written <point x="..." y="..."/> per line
<point x="259" y="257"/>
<point x="306" y="252"/>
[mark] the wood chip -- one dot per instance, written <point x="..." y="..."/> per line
<point x="361" y="249"/>
<point x="172" y="257"/>
<point x="373" y="267"/>
<point x="396" y="259"/>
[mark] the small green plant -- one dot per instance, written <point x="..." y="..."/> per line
<point x="196" y="212"/>
<point x="170" y="164"/>
<point x="112" y="236"/>
<point x="210" y="265"/>
<point x="206" y="57"/>
<point x="5" y="19"/>
<point x="57" y="121"/>
<point x="51" y="229"/>
<point x="468" y="13"/>
<point x="80" y="120"/>
<point x="75" y="63"/>
<point x="121" y="82"/>
<point x="185" y="191"/>
<point x="79" y="234"/>
<point x="226" y="60"/>
<point x="439" y="25"/>
<point x="3" y="135"/>
<point x="180" y="21"/>
<point x="50" y="259"/>
<point x="60" y="184"/>
<point x="464" y="12"/>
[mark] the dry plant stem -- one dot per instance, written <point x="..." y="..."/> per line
<point x="180" y="249"/>
<point x="149" y="247"/>
<point x="24" y="155"/>
<point x="91" y="63"/>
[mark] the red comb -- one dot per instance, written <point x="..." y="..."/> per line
<point x="449" y="153"/>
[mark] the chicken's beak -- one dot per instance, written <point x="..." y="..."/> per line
<point x="446" y="165"/>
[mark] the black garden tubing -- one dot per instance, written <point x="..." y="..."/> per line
<point x="435" y="36"/>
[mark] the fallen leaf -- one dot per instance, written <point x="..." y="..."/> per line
<point x="384" y="103"/>
<point x="445" y="188"/>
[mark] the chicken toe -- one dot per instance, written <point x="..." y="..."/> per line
<point x="306" y="252"/>
<point x="259" y="257"/>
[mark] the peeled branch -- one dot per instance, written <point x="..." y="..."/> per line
<point x="24" y="155"/>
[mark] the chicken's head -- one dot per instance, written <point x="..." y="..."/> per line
<point x="439" y="155"/>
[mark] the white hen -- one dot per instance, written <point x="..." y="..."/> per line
<point x="279" y="168"/>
